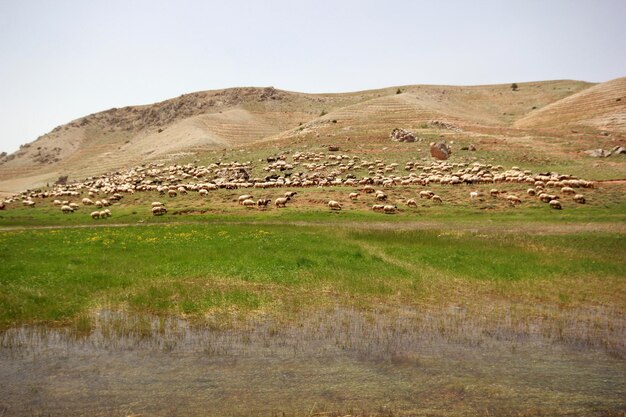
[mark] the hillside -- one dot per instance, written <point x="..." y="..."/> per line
<point x="601" y="107"/>
<point x="199" y="122"/>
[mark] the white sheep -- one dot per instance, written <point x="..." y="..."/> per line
<point x="243" y="198"/>
<point x="580" y="199"/>
<point x="334" y="205"/>
<point x="67" y="209"/>
<point x="568" y="190"/>
<point x="95" y="215"/>
<point x="87" y="202"/>
<point x="353" y="196"/>
<point x="158" y="211"/>
<point x="493" y="192"/>
<point x="389" y="209"/>
<point x="437" y="199"/>
<point x="290" y="194"/>
<point x="411" y="203"/>
<point x="555" y="204"/>
<point x="156" y="204"/>
<point x="171" y="193"/>
<point x="378" y="207"/>
<point x="263" y="202"/>
<point x="427" y="194"/>
<point x="248" y="203"/>
<point x="380" y="196"/>
<point x="513" y="199"/>
<point x="281" y="202"/>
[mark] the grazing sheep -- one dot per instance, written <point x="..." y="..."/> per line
<point x="368" y="189"/>
<point x="243" y="198"/>
<point x="67" y="209"/>
<point x="531" y="192"/>
<point x="158" y="211"/>
<point x="263" y="202"/>
<point x="57" y="203"/>
<point x="28" y="203"/>
<point x="98" y="204"/>
<point x="74" y="206"/>
<point x="493" y="192"/>
<point x="411" y="203"/>
<point x="580" y="199"/>
<point x="474" y="195"/>
<point x="353" y="196"/>
<point x="513" y="199"/>
<point x="281" y="202"/>
<point x="555" y="204"/>
<point x="95" y="215"/>
<point x="568" y="190"/>
<point x="378" y="207"/>
<point x="105" y="213"/>
<point x="105" y="202"/>
<point x="156" y="204"/>
<point x="248" y="203"/>
<point x="87" y="202"/>
<point x="334" y="205"/>
<point x="427" y="194"/>
<point x="437" y="199"/>
<point x="389" y="209"/>
<point x="171" y="193"/>
<point x="290" y="194"/>
<point x="380" y="196"/>
<point x="546" y="198"/>
<point x="203" y="192"/>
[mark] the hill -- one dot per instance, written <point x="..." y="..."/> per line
<point x="222" y="120"/>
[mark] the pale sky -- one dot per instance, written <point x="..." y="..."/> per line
<point x="63" y="59"/>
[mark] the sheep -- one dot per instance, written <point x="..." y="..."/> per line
<point x="87" y="202"/>
<point x="158" y="211"/>
<point x="368" y="189"/>
<point x="290" y="194"/>
<point x="263" y="202"/>
<point x="95" y="215"/>
<point x="555" y="204"/>
<point x="243" y="198"/>
<point x="531" y="192"/>
<point x="378" y="207"/>
<point x="203" y="192"/>
<point x="427" y="194"/>
<point x="249" y="203"/>
<point x="353" y="196"/>
<point x="580" y="199"/>
<point x="74" y="206"/>
<point x="493" y="192"/>
<point x="334" y="205"/>
<point x="546" y="198"/>
<point x="105" y="213"/>
<point x="568" y="190"/>
<point x="475" y="195"/>
<point x="98" y="204"/>
<point x="389" y="209"/>
<point x="57" y="203"/>
<point x="67" y="209"/>
<point x="105" y="202"/>
<point x="411" y="203"/>
<point x="513" y="199"/>
<point x="28" y="203"/>
<point x="156" y="204"/>
<point x="437" y="199"/>
<point x="171" y="193"/>
<point x="380" y="196"/>
<point x="281" y="202"/>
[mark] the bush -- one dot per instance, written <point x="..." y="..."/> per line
<point x="514" y="87"/>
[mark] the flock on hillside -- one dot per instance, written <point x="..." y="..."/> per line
<point x="302" y="170"/>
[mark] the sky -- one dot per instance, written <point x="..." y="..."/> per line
<point x="64" y="59"/>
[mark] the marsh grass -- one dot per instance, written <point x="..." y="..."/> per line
<point x="569" y="286"/>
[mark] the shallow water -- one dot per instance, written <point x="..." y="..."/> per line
<point x="340" y="361"/>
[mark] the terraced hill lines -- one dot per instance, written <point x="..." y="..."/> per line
<point x="220" y="119"/>
<point x="602" y="106"/>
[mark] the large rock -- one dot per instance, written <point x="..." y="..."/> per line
<point x="440" y="151"/>
<point x="402" y="135"/>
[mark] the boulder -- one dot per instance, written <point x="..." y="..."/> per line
<point x="440" y="151"/>
<point x="402" y="135"/>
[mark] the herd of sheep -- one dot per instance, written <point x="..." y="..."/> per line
<point x="302" y="170"/>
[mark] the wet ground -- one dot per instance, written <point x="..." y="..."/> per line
<point x="341" y="361"/>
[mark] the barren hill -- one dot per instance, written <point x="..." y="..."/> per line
<point x="602" y="106"/>
<point x="223" y="119"/>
